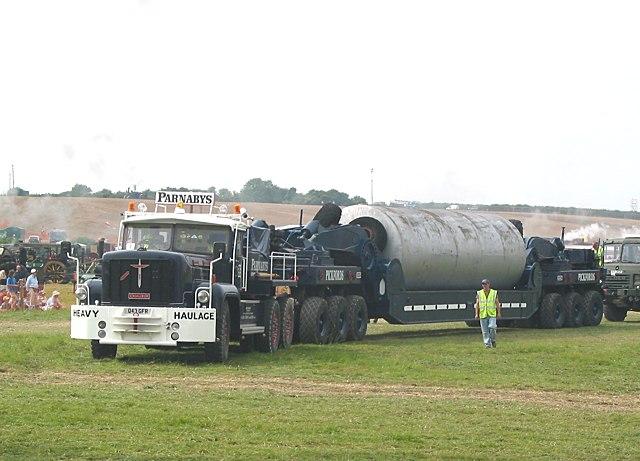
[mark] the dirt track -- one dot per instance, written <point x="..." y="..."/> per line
<point x="95" y="217"/>
<point x="304" y="387"/>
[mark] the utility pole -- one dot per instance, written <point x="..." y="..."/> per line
<point x="13" y="177"/>
<point x="371" y="186"/>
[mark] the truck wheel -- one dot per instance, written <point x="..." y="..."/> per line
<point x="103" y="351"/>
<point x="614" y="313"/>
<point x="552" y="311"/>
<point x="287" y="318"/>
<point x="593" y="308"/>
<point x="219" y="351"/>
<point x="315" y="324"/>
<point x="339" y="322"/>
<point x="270" y="339"/>
<point x="575" y="309"/>
<point x="358" y="317"/>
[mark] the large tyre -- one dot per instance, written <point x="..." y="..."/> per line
<point x="594" y="308"/>
<point x="219" y="351"/>
<point x="270" y="340"/>
<point x="358" y="317"/>
<point x="552" y="311"/>
<point x="338" y="308"/>
<point x="103" y="351"/>
<point x="614" y="314"/>
<point x="287" y="321"/>
<point x="315" y="324"/>
<point x="575" y="309"/>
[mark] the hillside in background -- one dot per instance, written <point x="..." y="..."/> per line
<point x="99" y="217"/>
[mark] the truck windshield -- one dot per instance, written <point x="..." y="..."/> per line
<point x="612" y="253"/>
<point x="196" y="239"/>
<point x="631" y="253"/>
<point x="147" y="236"/>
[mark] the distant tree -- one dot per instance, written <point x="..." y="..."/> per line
<point x="316" y="197"/>
<point x="357" y="200"/>
<point x="148" y="194"/>
<point x="226" y="195"/>
<point x="6" y="238"/>
<point x="258" y="190"/>
<point x="104" y="193"/>
<point x="18" y="192"/>
<point x="80" y="190"/>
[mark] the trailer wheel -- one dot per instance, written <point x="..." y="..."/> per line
<point x="575" y="309"/>
<point x="268" y="342"/>
<point x="614" y="313"/>
<point x="338" y="308"/>
<point x="358" y="317"/>
<point x="219" y="351"/>
<point x="287" y="318"/>
<point x="315" y="324"/>
<point x="552" y="311"/>
<point x="593" y="308"/>
<point x="103" y="351"/>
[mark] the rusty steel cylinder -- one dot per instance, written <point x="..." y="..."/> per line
<point x="444" y="250"/>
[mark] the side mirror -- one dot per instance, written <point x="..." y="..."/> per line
<point x="219" y="249"/>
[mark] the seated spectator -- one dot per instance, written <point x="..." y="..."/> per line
<point x="3" y="279"/>
<point x="53" y="302"/>
<point x="6" y="304"/>
<point x="41" y="300"/>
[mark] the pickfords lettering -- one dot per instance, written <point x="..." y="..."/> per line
<point x="85" y="313"/>
<point x="334" y="275"/>
<point x="193" y="316"/>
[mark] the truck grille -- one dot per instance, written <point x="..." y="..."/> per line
<point x="139" y="282"/>
<point x="617" y="281"/>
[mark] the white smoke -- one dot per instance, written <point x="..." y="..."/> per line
<point x="600" y="231"/>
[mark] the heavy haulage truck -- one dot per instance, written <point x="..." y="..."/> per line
<point x="207" y="279"/>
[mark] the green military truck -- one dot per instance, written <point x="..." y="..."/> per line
<point x="622" y="282"/>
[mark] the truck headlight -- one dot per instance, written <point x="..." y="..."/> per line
<point x="203" y="296"/>
<point x="81" y="293"/>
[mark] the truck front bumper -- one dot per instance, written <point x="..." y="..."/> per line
<point x="151" y="326"/>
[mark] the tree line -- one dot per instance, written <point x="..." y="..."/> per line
<point x="254" y="190"/>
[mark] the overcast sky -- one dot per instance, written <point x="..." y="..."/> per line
<point x="476" y="102"/>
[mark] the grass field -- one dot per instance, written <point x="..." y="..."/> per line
<point x="425" y="391"/>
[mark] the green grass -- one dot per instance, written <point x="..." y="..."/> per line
<point x="118" y="422"/>
<point x="57" y="402"/>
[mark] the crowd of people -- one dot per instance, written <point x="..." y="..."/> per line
<point x="20" y="289"/>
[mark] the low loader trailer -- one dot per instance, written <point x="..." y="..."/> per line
<point x="212" y="278"/>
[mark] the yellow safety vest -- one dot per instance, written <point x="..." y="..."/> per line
<point x="487" y="303"/>
<point x="599" y="254"/>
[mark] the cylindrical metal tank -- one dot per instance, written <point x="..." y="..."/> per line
<point x="444" y="250"/>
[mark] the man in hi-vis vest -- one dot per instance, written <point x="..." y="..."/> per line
<point x="487" y="310"/>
